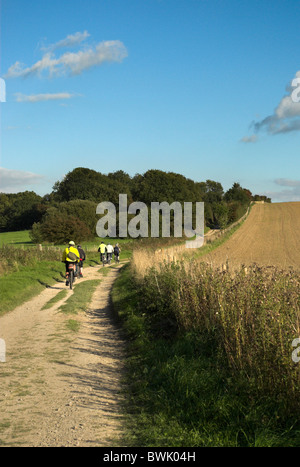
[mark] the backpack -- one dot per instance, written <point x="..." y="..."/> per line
<point x="72" y="256"/>
<point x="82" y="253"/>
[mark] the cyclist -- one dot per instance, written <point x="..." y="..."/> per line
<point x="70" y="255"/>
<point x="110" y="251"/>
<point x="82" y="258"/>
<point x="117" y="250"/>
<point x="102" y="250"/>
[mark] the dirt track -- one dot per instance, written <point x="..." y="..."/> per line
<point x="60" y="388"/>
<point x="269" y="237"/>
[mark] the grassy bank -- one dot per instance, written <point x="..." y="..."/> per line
<point x="27" y="282"/>
<point x="210" y="357"/>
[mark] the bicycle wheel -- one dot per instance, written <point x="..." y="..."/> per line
<point x="71" y="279"/>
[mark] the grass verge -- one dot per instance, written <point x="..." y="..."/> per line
<point x="182" y="391"/>
<point x="60" y="296"/>
<point x="24" y="284"/>
<point x="80" y="298"/>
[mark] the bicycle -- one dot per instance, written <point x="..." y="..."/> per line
<point x="103" y="258"/>
<point x="109" y="257"/>
<point x="117" y="258"/>
<point x="72" y="274"/>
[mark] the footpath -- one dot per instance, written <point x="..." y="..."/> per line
<point x="61" y="388"/>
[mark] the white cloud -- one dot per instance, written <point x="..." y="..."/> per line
<point x="72" y="63"/>
<point x="290" y="193"/>
<point x="69" y="41"/>
<point x="286" y="116"/>
<point x="43" y="97"/>
<point x="12" y="181"/>
<point x="287" y="182"/>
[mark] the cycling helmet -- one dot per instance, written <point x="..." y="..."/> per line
<point x="72" y="243"/>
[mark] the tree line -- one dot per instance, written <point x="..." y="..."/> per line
<point x="70" y="209"/>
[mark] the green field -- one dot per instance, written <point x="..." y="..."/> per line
<point x="20" y="238"/>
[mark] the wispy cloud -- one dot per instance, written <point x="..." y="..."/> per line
<point x="71" y="63"/>
<point x="43" y="97"/>
<point x="286" y="116"/>
<point x="291" y="191"/>
<point x="12" y="181"/>
<point x="249" y="139"/>
<point x="288" y="182"/>
<point x="70" y="41"/>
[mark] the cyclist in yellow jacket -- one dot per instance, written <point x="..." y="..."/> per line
<point x="70" y="255"/>
<point x="102" y="250"/>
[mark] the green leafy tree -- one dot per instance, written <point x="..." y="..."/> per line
<point x="237" y="193"/>
<point x="59" y="228"/>
<point x="84" y="210"/>
<point x="19" y="210"/>
<point x="214" y="192"/>
<point x="220" y="211"/>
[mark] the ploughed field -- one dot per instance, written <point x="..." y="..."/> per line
<point x="270" y="236"/>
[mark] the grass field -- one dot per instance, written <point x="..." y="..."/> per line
<point x="20" y="238"/>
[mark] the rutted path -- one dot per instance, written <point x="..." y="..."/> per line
<point x="60" y="388"/>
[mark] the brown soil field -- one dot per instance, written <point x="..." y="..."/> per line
<point x="268" y="237"/>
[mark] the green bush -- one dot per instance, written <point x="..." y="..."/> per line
<point x="83" y="210"/>
<point x="58" y="228"/>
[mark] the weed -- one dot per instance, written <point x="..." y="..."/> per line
<point x="73" y="325"/>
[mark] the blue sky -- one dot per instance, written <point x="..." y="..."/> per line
<point x="205" y="88"/>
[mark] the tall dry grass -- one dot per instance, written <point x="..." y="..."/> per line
<point x="253" y="314"/>
<point x="145" y="259"/>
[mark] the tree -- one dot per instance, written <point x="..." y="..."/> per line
<point x="84" y="210"/>
<point x="237" y="193"/>
<point x="81" y="183"/>
<point x="59" y="228"/>
<point x="214" y="192"/>
<point x="19" y="210"/>
<point x="220" y="211"/>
